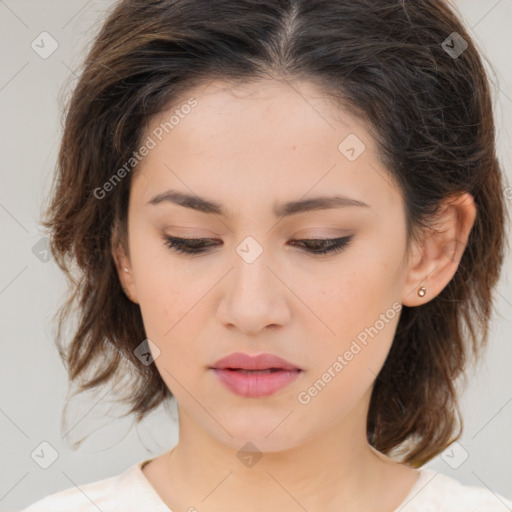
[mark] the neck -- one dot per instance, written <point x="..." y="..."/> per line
<point x="333" y="470"/>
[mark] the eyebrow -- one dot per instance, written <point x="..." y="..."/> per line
<point x="280" y="210"/>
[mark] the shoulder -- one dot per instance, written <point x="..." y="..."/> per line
<point x="436" y="492"/>
<point x="107" y="495"/>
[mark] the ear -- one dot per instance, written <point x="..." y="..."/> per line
<point x="123" y="266"/>
<point x="436" y="257"/>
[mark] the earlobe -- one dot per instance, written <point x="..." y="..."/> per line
<point x="124" y="273"/>
<point x="416" y="287"/>
<point x="438" y="255"/>
<point x="127" y="293"/>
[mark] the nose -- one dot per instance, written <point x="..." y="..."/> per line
<point x="254" y="293"/>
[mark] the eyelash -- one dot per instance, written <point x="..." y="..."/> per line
<point x="194" y="246"/>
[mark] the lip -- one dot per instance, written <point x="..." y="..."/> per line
<point x="257" y="385"/>
<point x="243" y="361"/>
<point x="230" y="371"/>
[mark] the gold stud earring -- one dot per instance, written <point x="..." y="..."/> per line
<point x="422" y="291"/>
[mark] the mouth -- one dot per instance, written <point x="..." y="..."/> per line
<point x="255" y="376"/>
<point x="254" y="364"/>
<point x="257" y="372"/>
<point x="255" y="383"/>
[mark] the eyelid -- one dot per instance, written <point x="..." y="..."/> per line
<point x="188" y="232"/>
<point x="314" y="236"/>
<point x="198" y="246"/>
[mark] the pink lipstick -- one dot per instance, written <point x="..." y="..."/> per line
<point x="255" y="376"/>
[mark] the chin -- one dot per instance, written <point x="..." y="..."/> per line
<point x="258" y="435"/>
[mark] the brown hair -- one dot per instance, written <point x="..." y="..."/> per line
<point x="430" y="112"/>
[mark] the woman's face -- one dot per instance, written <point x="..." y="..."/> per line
<point x="251" y="150"/>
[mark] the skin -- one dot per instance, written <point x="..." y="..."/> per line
<point x="248" y="147"/>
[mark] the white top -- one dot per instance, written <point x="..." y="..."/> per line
<point x="131" y="491"/>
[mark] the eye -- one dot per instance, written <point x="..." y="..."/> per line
<point x="187" y="245"/>
<point x="314" y="246"/>
<point x="325" y="245"/>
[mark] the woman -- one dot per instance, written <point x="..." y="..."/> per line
<point x="282" y="213"/>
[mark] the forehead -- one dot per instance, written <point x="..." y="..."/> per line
<point x="268" y="138"/>
<point x="250" y="112"/>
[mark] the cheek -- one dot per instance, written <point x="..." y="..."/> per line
<point x="359" y="311"/>
<point x="173" y="311"/>
<point x="170" y="317"/>
<point x="161" y="289"/>
<point x="166" y="305"/>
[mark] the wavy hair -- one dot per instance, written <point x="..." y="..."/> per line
<point x="429" y="111"/>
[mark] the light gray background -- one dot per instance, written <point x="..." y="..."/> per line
<point x="33" y="378"/>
